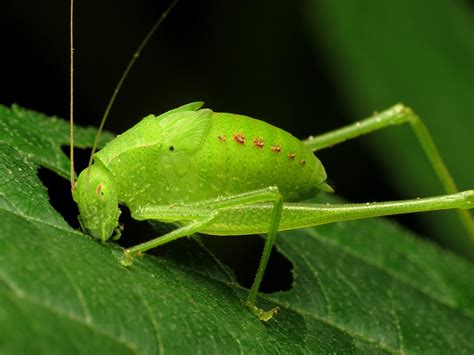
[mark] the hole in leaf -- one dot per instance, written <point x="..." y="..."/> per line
<point x="59" y="191"/>
<point x="136" y="232"/>
<point x="242" y="254"/>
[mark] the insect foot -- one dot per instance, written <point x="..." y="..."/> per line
<point x="260" y="313"/>
<point x="127" y="258"/>
<point x="469" y="195"/>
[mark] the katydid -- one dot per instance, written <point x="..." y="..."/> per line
<point x="228" y="174"/>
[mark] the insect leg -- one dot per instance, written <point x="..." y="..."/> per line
<point x="316" y="214"/>
<point x="204" y="213"/>
<point x="187" y="230"/>
<point x="270" y="240"/>
<point x="397" y="115"/>
<point x="254" y="218"/>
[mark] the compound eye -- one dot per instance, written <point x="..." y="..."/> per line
<point x="100" y="190"/>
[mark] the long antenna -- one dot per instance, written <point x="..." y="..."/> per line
<point x="71" y="97"/>
<point x="135" y="56"/>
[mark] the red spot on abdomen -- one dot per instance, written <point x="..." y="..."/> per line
<point x="258" y="142"/>
<point x="239" y="138"/>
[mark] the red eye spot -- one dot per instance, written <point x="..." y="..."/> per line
<point x="99" y="188"/>
<point x="291" y="156"/>
<point x="239" y="138"/>
<point x="222" y="138"/>
<point x="303" y="162"/>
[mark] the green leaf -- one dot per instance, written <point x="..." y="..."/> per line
<point x="386" y="52"/>
<point x="366" y="286"/>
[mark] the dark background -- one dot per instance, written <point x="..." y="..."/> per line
<point x="305" y="66"/>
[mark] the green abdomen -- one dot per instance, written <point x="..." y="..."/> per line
<point x="243" y="154"/>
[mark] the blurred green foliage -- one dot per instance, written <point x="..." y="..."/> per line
<point x="388" y="51"/>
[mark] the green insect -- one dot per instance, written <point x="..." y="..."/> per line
<point x="228" y="174"/>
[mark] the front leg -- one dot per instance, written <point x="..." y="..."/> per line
<point x="187" y="230"/>
<point x="199" y="215"/>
